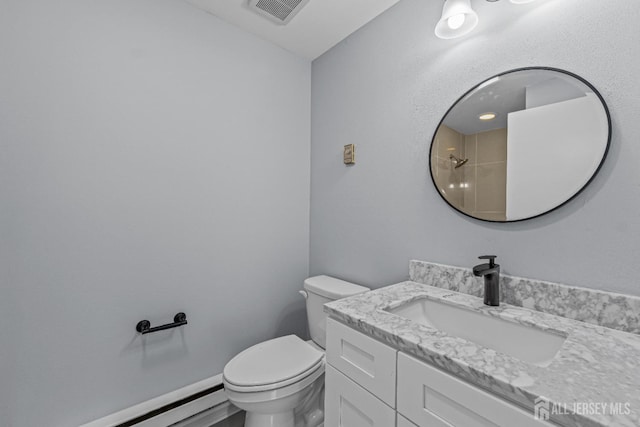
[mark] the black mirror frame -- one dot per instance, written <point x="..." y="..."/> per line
<point x="595" y="173"/>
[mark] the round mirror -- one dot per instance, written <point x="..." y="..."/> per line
<point x="520" y="144"/>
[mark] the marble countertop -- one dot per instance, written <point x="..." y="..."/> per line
<point x="594" y="365"/>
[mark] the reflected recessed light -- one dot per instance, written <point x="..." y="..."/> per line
<point x="487" y="116"/>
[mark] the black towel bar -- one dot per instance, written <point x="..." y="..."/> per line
<point x="144" y="326"/>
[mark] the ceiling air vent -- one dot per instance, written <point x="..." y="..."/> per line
<point x="278" y="11"/>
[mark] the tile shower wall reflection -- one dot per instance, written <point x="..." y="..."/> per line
<point x="479" y="187"/>
<point x="487" y="174"/>
<point x="449" y="180"/>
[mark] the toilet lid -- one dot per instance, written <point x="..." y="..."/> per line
<point x="272" y="362"/>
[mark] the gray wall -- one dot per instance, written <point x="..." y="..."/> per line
<point x="153" y="160"/>
<point x="385" y="89"/>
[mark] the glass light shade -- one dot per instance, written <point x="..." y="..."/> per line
<point x="455" y="9"/>
<point x="456" y="21"/>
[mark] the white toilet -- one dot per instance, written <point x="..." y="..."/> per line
<point x="280" y="382"/>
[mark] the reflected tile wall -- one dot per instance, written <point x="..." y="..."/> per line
<point x="448" y="179"/>
<point x="486" y="174"/>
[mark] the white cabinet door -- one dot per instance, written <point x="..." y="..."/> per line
<point x="365" y="360"/>
<point x="349" y="405"/>
<point x="430" y="397"/>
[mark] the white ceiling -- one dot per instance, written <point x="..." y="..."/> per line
<point x="319" y="25"/>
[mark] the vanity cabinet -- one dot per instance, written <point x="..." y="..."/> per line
<point x="360" y="379"/>
<point x="363" y="359"/>
<point x="432" y="398"/>
<point x="370" y="384"/>
<point x="349" y="405"/>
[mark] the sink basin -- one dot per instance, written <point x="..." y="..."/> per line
<point x="526" y="343"/>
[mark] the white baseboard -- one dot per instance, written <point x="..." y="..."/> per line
<point x="210" y="417"/>
<point x="201" y="412"/>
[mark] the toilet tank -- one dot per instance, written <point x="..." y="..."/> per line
<point x="320" y="290"/>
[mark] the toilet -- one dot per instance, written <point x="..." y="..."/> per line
<point x="280" y="382"/>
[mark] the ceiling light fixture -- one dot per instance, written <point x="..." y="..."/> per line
<point x="458" y="19"/>
<point x="487" y="116"/>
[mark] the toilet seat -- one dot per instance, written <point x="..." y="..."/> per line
<point x="273" y="365"/>
<point x="264" y="394"/>
<point x="278" y="385"/>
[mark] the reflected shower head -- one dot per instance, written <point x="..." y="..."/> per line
<point x="458" y="162"/>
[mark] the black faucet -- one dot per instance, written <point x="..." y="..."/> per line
<point x="491" y="273"/>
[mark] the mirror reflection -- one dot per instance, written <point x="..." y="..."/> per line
<point x="520" y="144"/>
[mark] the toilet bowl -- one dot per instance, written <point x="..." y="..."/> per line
<point x="280" y="382"/>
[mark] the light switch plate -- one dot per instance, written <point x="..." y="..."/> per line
<point x="350" y="154"/>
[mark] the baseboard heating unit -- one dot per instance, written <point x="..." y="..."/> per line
<point x="197" y="405"/>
